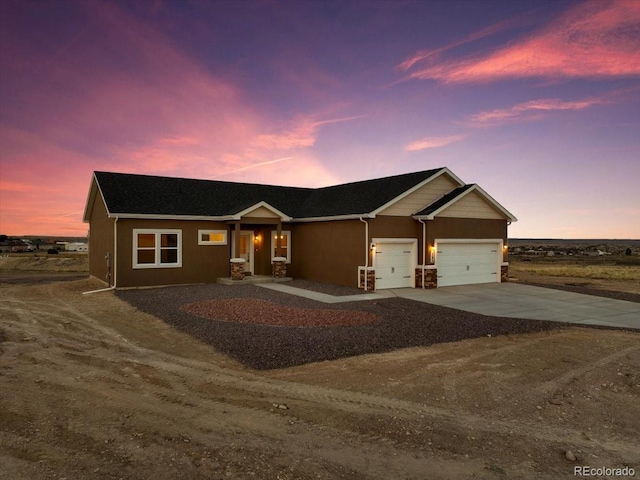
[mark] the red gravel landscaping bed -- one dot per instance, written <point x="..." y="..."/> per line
<point x="262" y="312"/>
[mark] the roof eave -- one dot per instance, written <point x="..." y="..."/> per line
<point x="351" y="216"/>
<point x="162" y="216"/>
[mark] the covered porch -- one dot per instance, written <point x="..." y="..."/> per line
<point x="260" y="246"/>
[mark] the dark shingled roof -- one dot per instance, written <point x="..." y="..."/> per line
<point x="151" y="195"/>
<point x="452" y="195"/>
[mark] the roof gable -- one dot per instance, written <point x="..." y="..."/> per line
<point x="424" y="193"/>
<point x="463" y="202"/>
<point x="262" y="210"/>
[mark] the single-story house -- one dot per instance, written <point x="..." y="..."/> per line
<point x="421" y="229"/>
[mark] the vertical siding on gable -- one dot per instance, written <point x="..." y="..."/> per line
<point x="427" y="194"/>
<point x="261" y="212"/>
<point x="472" y="205"/>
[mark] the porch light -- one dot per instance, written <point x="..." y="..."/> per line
<point x="373" y="246"/>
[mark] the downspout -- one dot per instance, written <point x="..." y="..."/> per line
<point x="115" y="263"/>
<point x="366" y="252"/>
<point x="424" y="248"/>
<point x="115" y="252"/>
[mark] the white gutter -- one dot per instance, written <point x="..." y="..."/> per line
<point x="100" y="290"/>
<point x="366" y="252"/>
<point x="424" y="248"/>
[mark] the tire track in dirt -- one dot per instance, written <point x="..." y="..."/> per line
<point x="571" y="375"/>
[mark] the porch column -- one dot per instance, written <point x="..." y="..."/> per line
<point x="237" y="239"/>
<point x="279" y="239"/>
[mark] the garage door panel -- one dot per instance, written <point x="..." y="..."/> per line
<point x="467" y="263"/>
<point x="393" y="266"/>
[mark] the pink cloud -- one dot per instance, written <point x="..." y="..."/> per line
<point x="432" y="142"/>
<point x="423" y="55"/>
<point x="533" y="108"/>
<point x="594" y="39"/>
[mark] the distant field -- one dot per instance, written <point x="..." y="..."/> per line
<point x="63" y="262"/>
<point x="609" y="267"/>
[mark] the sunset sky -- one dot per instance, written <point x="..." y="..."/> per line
<point x="537" y="102"/>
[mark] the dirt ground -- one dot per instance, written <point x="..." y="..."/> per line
<point x="92" y="388"/>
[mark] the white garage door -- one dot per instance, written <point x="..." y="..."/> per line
<point x="394" y="265"/>
<point x="467" y="263"/>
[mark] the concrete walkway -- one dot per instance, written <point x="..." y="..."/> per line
<point x="324" y="298"/>
<point x="526" y="301"/>
<point x="502" y="300"/>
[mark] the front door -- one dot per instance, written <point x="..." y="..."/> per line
<point x="246" y="250"/>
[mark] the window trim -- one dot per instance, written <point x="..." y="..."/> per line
<point x="287" y="233"/>
<point x="157" y="247"/>
<point x="206" y="242"/>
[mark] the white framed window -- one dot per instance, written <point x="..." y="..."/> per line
<point x="285" y="243"/>
<point x="212" y="237"/>
<point x="154" y="248"/>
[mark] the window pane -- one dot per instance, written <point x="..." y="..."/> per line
<point x="146" y="256"/>
<point x="216" y="237"/>
<point x="147" y="240"/>
<point x="169" y="255"/>
<point x="284" y="241"/>
<point x="169" y="240"/>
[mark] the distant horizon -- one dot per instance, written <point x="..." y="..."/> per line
<point x="509" y="238"/>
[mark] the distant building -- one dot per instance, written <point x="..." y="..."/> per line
<point x="76" y="247"/>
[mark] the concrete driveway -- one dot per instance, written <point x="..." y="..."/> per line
<point x="526" y="301"/>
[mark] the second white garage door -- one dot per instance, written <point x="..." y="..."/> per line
<point x="468" y="263"/>
<point x="394" y="264"/>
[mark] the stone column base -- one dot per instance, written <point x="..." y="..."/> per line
<point x="430" y="278"/>
<point x="504" y="273"/>
<point x="371" y="280"/>
<point x="237" y="268"/>
<point x="279" y="267"/>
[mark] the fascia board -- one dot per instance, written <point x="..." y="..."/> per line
<point x="149" y="216"/>
<point x="353" y="216"/>
<point x="442" y="171"/>
<point x="91" y="195"/>
<point x="493" y="201"/>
